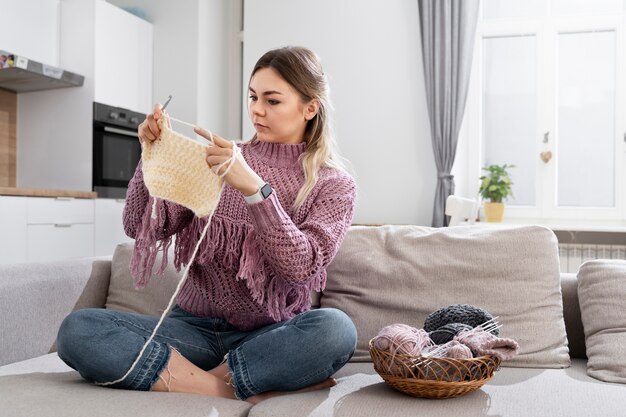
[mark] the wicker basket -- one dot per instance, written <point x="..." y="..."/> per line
<point x="421" y="376"/>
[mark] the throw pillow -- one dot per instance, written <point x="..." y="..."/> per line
<point x="150" y="300"/>
<point x="602" y="294"/>
<point x="154" y="297"/>
<point x="400" y="274"/>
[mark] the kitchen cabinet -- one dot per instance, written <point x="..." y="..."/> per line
<point x="12" y="229"/>
<point x="123" y="59"/>
<point x="109" y="227"/>
<point x="60" y="210"/>
<point x="59" y="228"/>
<point x="51" y="242"/>
<point x="39" y="229"/>
<point x="31" y="29"/>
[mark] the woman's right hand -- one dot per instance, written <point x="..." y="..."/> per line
<point x="149" y="130"/>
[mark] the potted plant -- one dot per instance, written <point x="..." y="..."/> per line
<point x="495" y="186"/>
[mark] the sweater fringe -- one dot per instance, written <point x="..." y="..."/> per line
<point x="281" y="298"/>
<point x="146" y="245"/>
<point x="222" y="234"/>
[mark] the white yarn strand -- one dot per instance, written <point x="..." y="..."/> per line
<point x="230" y="163"/>
<point x="181" y="122"/>
<point x="167" y="309"/>
<point x="210" y="140"/>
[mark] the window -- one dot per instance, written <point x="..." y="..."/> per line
<point x="547" y="94"/>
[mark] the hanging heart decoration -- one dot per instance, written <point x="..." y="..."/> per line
<point x="545" y="156"/>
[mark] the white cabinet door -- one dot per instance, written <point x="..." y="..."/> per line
<point x="31" y="29"/>
<point x="109" y="227"/>
<point x="12" y="229"/>
<point x="123" y="59"/>
<point x="44" y="210"/>
<point x="50" y="242"/>
<point x="59" y="228"/>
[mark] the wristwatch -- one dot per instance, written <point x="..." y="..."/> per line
<point x="261" y="194"/>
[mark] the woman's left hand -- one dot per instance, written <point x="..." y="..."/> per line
<point x="240" y="176"/>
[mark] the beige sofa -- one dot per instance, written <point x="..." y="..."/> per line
<point x="382" y="275"/>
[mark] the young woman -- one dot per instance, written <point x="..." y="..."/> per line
<point x="242" y="327"/>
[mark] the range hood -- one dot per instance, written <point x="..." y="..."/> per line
<point x="21" y="75"/>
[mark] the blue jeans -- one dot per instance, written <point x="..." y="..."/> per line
<point x="307" y="349"/>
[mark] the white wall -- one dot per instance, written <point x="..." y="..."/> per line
<point x="371" y="51"/>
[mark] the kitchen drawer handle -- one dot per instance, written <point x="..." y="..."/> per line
<point x="64" y="198"/>
<point x="120" y="200"/>
<point x="63" y="225"/>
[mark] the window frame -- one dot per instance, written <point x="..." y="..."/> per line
<point x="547" y="28"/>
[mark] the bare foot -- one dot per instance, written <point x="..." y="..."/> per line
<point x="181" y="375"/>
<point x="255" y="399"/>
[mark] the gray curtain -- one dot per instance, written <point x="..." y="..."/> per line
<point x="447" y="28"/>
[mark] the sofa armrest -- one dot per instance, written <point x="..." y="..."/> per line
<point x="36" y="297"/>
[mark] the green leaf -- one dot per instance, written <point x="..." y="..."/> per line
<point x="496" y="184"/>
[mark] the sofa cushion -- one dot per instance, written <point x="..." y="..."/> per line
<point x="602" y="294"/>
<point x="513" y="392"/>
<point x="400" y="274"/>
<point x="45" y="386"/>
<point x="149" y="300"/>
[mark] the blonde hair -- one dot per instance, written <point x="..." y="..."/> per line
<point x="301" y="68"/>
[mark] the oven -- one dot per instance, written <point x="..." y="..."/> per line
<point x="116" y="149"/>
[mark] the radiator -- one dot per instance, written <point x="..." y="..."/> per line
<point x="573" y="255"/>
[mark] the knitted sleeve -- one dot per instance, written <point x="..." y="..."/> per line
<point x="300" y="253"/>
<point x="171" y="219"/>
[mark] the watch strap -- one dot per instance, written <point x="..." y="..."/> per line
<point x="261" y="194"/>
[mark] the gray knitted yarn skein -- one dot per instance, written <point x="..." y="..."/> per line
<point x="447" y="332"/>
<point x="443" y="324"/>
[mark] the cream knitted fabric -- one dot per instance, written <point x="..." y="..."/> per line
<point x="175" y="169"/>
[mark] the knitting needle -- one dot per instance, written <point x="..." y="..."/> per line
<point x="488" y="326"/>
<point x="169" y="98"/>
<point x="166" y="102"/>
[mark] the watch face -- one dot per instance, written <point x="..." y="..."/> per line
<point x="266" y="191"/>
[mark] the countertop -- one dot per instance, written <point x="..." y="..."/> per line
<point x="43" y="192"/>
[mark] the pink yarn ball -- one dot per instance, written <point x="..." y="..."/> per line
<point x="459" y="351"/>
<point x="402" y="338"/>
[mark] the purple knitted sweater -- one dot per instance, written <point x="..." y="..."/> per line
<point x="259" y="262"/>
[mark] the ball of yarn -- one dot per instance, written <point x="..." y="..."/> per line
<point x="459" y="351"/>
<point x="402" y="338"/>
<point x="447" y="332"/>
<point x="458" y="313"/>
